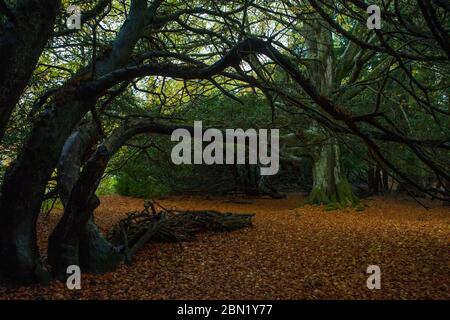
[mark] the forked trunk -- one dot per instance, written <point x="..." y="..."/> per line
<point x="76" y="239"/>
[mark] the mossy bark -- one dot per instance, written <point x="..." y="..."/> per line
<point x="330" y="184"/>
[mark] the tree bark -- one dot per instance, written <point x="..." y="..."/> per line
<point x="23" y="37"/>
<point x="97" y="255"/>
<point x="87" y="248"/>
<point x="446" y="185"/>
<point x="330" y="185"/>
<point x="76" y="239"/>
<point x="23" y="190"/>
<point x="377" y="180"/>
<point x="64" y="242"/>
<point x="19" y="254"/>
<point x="24" y="185"/>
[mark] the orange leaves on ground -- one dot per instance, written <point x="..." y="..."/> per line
<point x="292" y="252"/>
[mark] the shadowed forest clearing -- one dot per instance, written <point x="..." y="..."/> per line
<point x="292" y="252"/>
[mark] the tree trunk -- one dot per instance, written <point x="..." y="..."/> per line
<point x="22" y="40"/>
<point x="19" y="254"/>
<point x="23" y="190"/>
<point x="247" y="180"/>
<point x="377" y="180"/>
<point x="76" y="240"/>
<point x="372" y="180"/>
<point x="86" y="248"/>
<point x="21" y="44"/>
<point x="330" y="184"/>
<point x="446" y="186"/>
<point x="97" y="255"/>
<point x="64" y="242"/>
<point x="24" y="185"/>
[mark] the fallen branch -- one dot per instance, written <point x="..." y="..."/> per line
<point x="165" y="225"/>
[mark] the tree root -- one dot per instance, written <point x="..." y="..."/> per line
<point x="343" y="198"/>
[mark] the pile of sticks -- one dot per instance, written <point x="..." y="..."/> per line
<point x="166" y="225"/>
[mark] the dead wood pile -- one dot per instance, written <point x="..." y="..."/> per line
<point x="166" y="225"/>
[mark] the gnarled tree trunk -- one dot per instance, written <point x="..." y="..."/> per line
<point x="77" y="240"/>
<point x="22" y="39"/>
<point x="24" y="185"/>
<point x="24" y="35"/>
<point x="330" y="185"/>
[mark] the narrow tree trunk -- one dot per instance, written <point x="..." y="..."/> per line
<point x="446" y="186"/>
<point x="446" y="203"/>
<point x="377" y="180"/>
<point x="385" y="180"/>
<point x="371" y="180"/>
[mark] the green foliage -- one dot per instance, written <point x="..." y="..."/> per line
<point x="136" y="180"/>
<point x="152" y="174"/>
<point x="107" y="186"/>
<point x="50" y="205"/>
<point x="140" y="187"/>
<point x="253" y="111"/>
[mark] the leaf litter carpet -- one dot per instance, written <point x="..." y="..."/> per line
<point x="292" y="252"/>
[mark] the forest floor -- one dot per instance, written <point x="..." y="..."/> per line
<point x="292" y="252"/>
